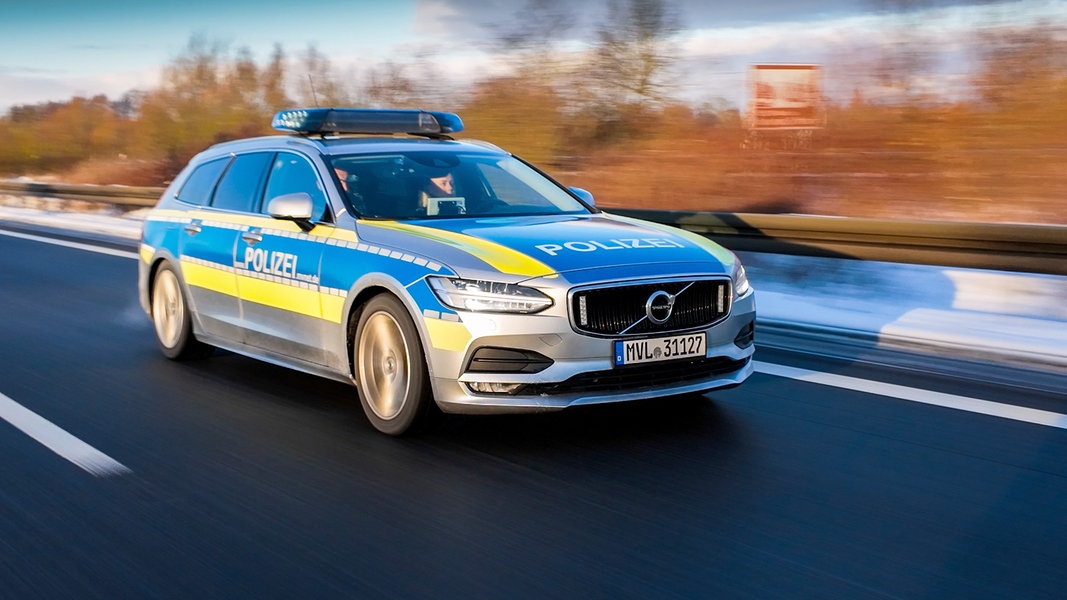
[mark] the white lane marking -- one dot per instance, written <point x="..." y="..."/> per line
<point x="66" y="244"/>
<point x="59" y="441"/>
<point x="984" y="407"/>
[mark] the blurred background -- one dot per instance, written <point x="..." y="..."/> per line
<point x="920" y="109"/>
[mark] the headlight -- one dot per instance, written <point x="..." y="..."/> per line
<point x="488" y="296"/>
<point x="741" y="284"/>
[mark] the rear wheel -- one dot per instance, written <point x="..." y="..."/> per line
<point x="172" y="320"/>
<point x="390" y="368"/>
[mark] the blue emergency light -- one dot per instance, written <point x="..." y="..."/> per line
<point x="367" y="120"/>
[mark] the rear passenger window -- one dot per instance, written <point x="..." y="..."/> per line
<point x="197" y="189"/>
<point x="242" y="185"/>
<point x="293" y="173"/>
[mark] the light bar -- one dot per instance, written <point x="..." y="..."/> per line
<point x="367" y="120"/>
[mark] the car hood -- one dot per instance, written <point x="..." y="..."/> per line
<point x="528" y="247"/>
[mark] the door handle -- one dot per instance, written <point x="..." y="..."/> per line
<point x="193" y="227"/>
<point x="252" y="237"/>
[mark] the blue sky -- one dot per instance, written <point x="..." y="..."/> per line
<point x="55" y="50"/>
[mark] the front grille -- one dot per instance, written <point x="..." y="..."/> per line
<point x="638" y="377"/>
<point x="621" y="310"/>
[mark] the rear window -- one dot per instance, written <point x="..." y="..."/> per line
<point x="201" y="183"/>
<point x="242" y="185"/>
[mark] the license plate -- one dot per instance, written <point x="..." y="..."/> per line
<point x="632" y="352"/>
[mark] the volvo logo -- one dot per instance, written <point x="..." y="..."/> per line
<point x="659" y="306"/>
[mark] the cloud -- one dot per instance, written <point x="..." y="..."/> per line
<point x="25" y="87"/>
<point x="441" y="20"/>
<point x="21" y="89"/>
<point x="716" y="59"/>
<point x="27" y="71"/>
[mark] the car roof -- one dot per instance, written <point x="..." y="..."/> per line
<point x="348" y="144"/>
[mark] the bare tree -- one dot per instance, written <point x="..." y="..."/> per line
<point x="242" y="82"/>
<point x="907" y="52"/>
<point x="274" y="96"/>
<point x="531" y="38"/>
<point x="537" y="25"/>
<point x="633" y="53"/>
<point x="1023" y="68"/>
<point x="316" y="82"/>
<point x="391" y="84"/>
<point x="196" y="71"/>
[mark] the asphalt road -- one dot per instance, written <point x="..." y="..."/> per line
<point x="241" y="479"/>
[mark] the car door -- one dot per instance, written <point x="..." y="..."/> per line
<point x="210" y="239"/>
<point x="278" y="267"/>
<point x="205" y="247"/>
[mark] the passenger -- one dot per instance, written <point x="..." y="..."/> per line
<point x="342" y="176"/>
<point x="440" y="187"/>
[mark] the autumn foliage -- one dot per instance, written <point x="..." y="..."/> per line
<point x="996" y="154"/>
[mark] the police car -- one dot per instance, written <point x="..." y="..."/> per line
<point x="370" y="247"/>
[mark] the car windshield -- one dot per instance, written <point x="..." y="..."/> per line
<point x="430" y="185"/>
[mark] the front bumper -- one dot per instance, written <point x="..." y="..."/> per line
<point x="582" y="370"/>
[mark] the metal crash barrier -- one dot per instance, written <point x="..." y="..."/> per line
<point x="1008" y="247"/>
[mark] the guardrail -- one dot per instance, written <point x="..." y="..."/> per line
<point x="1008" y="247"/>
<point x="108" y="194"/>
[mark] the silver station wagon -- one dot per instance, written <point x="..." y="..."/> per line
<point x="370" y="247"/>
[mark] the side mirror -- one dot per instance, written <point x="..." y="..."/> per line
<point x="295" y="207"/>
<point x="583" y="195"/>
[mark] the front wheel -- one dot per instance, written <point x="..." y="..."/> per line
<point x="390" y="368"/>
<point x="172" y="320"/>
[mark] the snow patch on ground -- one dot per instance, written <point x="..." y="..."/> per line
<point x="1020" y="317"/>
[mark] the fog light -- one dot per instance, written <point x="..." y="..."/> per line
<point x="485" y="387"/>
<point x="507" y="360"/>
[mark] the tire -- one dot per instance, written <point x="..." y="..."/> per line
<point x="390" y="368"/>
<point x="171" y="319"/>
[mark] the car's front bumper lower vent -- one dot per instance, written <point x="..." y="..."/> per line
<point x="642" y="376"/>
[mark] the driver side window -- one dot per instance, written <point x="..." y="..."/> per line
<point x="293" y="173"/>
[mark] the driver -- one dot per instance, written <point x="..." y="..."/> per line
<point x="439" y="184"/>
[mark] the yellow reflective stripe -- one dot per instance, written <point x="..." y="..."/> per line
<point x="283" y="296"/>
<point x="280" y="295"/>
<point x="242" y="219"/>
<point x="500" y="257"/>
<point x="306" y="300"/>
<point x="319" y="233"/>
<point x="721" y="254"/>
<point x="448" y="335"/>
<point x="334" y="233"/>
<point x="210" y="278"/>
<point x="333" y="307"/>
